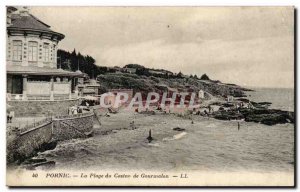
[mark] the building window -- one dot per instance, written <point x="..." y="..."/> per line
<point x="32" y="51"/>
<point x="17" y="50"/>
<point x="46" y="52"/>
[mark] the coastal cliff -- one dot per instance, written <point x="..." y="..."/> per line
<point x="142" y="83"/>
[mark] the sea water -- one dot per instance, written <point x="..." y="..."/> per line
<point x="281" y="98"/>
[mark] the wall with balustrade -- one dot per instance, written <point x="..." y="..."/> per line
<point x="38" y="108"/>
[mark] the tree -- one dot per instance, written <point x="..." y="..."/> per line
<point x="204" y="77"/>
<point x="63" y="60"/>
<point x="136" y="66"/>
<point x="74" y="61"/>
<point x="180" y="75"/>
<point x="142" y="71"/>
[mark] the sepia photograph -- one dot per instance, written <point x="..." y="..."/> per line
<point x="150" y="96"/>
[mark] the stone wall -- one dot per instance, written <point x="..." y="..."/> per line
<point x="73" y="127"/>
<point x="24" y="144"/>
<point x="21" y="145"/>
<point x="37" y="108"/>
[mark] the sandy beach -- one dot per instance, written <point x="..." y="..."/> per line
<point x="206" y="145"/>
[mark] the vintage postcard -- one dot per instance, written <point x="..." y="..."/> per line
<point x="150" y="96"/>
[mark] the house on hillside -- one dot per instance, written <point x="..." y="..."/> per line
<point x="89" y="88"/>
<point x="110" y="99"/>
<point x="160" y="72"/>
<point x="201" y="94"/>
<point x="129" y="70"/>
<point x="155" y="72"/>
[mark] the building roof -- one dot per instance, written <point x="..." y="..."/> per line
<point x="31" y="70"/>
<point x="29" y="22"/>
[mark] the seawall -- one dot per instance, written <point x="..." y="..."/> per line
<point x="70" y="127"/>
<point x="24" y="144"/>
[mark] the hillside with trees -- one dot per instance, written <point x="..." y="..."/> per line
<point x="73" y="61"/>
<point x="143" y="79"/>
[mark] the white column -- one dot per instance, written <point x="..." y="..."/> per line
<point x="52" y="89"/>
<point x="76" y="89"/>
<point x="70" y="89"/>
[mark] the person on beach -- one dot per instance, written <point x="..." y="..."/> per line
<point x="238" y="126"/>
<point x="74" y="110"/>
<point x="9" y="118"/>
<point x="205" y="112"/>
<point x="11" y="115"/>
<point x="132" y="125"/>
<point x="149" y="138"/>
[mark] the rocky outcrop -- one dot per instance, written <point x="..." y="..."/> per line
<point x="264" y="116"/>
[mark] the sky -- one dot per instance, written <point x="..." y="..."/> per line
<point x="248" y="46"/>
